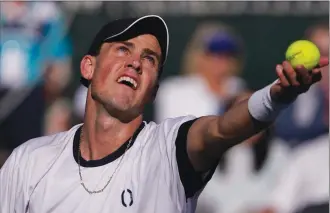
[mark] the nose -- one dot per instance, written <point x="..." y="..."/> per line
<point x="135" y="63"/>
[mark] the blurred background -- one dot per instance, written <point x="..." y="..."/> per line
<point x="219" y="52"/>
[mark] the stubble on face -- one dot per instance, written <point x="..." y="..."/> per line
<point x="116" y="98"/>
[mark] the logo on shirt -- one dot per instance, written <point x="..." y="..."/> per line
<point x="127" y="198"/>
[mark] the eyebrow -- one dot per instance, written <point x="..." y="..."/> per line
<point x="145" y="50"/>
<point x="129" y="44"/>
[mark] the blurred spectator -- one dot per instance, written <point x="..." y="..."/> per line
<point x="58" y="117"/>
<point x="247" y="172"/>
<point x="212" y="62"/>
<point x="34" y="67"/>
<point x="245" y="175"/>
<point x="305" y="118"/>
<point x="304" y="184"/>
<point x="33" y="37"/>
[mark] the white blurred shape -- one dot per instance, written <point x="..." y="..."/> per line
<point x="79" y="102"/>
<point x="13" y="65"/>
<point x="305" y="107"/>
<point x="305" y="180"/>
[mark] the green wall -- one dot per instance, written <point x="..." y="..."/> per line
<point x="265" y="38"/>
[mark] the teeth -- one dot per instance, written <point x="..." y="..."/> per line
<point x="128" y="79"/>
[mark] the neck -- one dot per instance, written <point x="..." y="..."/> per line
<point x="102" y="133"/>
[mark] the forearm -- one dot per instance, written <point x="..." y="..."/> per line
<point x="211" y="136"/>
<point x="249" y="116"/>
<point x="237" y="124"/>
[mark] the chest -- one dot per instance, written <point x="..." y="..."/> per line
<point x="134" y="185"/>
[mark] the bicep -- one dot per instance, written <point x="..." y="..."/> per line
<point x="193" y="180"/>
<point x="204" y="144"/>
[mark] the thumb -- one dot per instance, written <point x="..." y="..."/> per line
<point x="324" y="61"/>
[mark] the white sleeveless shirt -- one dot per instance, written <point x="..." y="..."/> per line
<point x="42" y="174"/>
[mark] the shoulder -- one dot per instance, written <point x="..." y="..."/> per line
<point x="45" y="146"/>
<point x="29" y="162"/>
<point x="164" y="134"/>
<point x="169" y="125"/>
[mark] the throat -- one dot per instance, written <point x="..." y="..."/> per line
<point x="89" y="156"/>
<point x="101" y="139"/>
<point x="104" y="138"/>
<point x="93" y="152"/>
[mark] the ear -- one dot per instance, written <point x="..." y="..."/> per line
<point x="87" y="67"/>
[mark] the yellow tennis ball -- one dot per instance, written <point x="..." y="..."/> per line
<point x="304" y="53"/>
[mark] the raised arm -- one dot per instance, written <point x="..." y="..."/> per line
<point x="209" y="137"/>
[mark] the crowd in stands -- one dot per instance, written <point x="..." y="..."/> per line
<point x="284" y="169"/>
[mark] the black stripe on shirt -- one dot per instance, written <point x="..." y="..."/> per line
<point x="192" y="180"/>
<point x="107" y="159"/>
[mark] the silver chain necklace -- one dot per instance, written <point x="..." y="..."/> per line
<point x="80" y="175"/>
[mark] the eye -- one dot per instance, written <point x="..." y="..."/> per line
<point x="150" y="59"/>
<point x="123" y="49"/>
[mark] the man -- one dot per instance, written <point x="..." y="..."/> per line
<point x="115" y="162"/>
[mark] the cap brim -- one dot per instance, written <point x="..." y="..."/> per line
<point x="150" y="24"/>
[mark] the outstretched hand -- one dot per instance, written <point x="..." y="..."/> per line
<point x="292" y="82"/>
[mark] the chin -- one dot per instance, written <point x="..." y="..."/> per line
<point x="120" y="106"/>
<point x="111" y="100"/>
<point x="121" y="109"/>
<point x="123" y="114"/>
<point x="122" y="103"/>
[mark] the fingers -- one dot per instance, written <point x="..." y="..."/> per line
<point x="316" y="75"/>
<point x="303" y="76"/>
<point x="281" y="76"/>
<point x="299" y="76"/>
<point x="293" y="82"/>
<point x="317" y="72"/>
<point x="290" y="74"/>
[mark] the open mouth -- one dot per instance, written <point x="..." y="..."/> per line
<point x="128" y="81"/>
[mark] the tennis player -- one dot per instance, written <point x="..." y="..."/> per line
<point x="116" y="162"/>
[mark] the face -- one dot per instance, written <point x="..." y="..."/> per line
<point x="124" y="75"/>
<point x="321" y="38"/>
